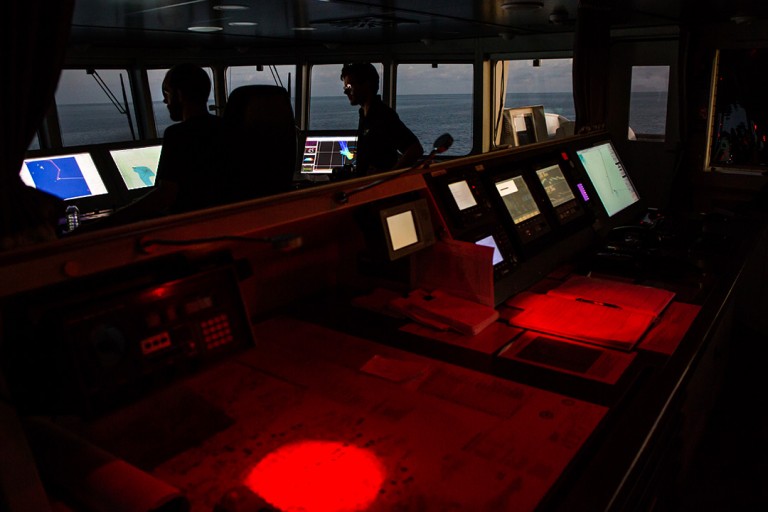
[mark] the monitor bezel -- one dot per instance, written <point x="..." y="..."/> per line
<point x="627" y="214"/>
<point x="422" y="220"/>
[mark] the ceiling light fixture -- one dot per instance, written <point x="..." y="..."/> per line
<point x="242" y="23"/>
<point x="303" y="29"/>
<point x="203" y="28"/>
<point x="230" y="7"/>
<point x="520" y="5"/>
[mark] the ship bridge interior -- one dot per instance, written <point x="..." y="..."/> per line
<point x="547" y="321"/>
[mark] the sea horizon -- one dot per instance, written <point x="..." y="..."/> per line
<point x="427" y="115"/>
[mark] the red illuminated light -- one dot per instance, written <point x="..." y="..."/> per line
<point x="318" y="476"/>
<point x="159" y="292"/>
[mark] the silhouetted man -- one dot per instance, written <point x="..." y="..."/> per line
<point x="191" y="153"/>
<point x="186" y="173"/>
<point x="383" y="141"/>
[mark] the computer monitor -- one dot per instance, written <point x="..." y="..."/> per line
<point x="490" y="241"/>
<point x="608" y="176"/>
<point x="521" y="205"/>
<point x="325" y="151"/>
<point x="555" y="185"/>
<point x="524" y="125"/>
<point x="462" y="195"/>
<point x="137" y="166"/>
<point x="407" y="228"/>
<point x="559" y="192"/>
<point x="67" y="177"/>
<point x="517" y="199"/>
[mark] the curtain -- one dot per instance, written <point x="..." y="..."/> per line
<point x="591" y="55"/>
<point x="35" y="34"/>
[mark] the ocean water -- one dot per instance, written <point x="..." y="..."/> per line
<point x="428" y="116"/>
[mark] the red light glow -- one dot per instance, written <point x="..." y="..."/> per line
<point x="318" y="476"/>
<point x="159" y="292"/>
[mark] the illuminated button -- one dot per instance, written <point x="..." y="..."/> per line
<point x="216" y="331"/>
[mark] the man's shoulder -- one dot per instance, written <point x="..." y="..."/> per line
<point x="380" y="110"/>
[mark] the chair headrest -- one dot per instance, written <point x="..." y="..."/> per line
<point x="259" y="106"/>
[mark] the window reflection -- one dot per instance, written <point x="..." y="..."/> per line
<point x="739" y="121"/>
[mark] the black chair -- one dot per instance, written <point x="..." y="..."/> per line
<point x="261" y="141"/>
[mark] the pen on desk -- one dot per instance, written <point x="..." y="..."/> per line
<point x="598" y="303"/>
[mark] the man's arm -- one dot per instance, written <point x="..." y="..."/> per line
<point x="153" y="204"/>
<point x="410" y="155"/>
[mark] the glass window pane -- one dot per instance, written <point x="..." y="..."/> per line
<point x="329" y="108"/>
<point x="648" y="102"/>
<point x="162" y="118"/>
<point x="546" y="82"/>
<point x="86" y="114"/>
<point x="435" y="100"/>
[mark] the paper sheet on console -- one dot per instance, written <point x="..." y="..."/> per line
<point x="461" y="269"/>
<point x="584" y="321"/>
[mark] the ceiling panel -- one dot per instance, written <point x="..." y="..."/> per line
<point x="274" y="22"/>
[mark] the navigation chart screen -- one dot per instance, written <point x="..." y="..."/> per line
<point x="64" y="176"/>
<point x="323" y="153"/>
<point x="517" y="199"/>
<point x="608" y="176"/>
<point x="137" y="166"/>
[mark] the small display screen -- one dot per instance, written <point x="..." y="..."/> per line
<point x="607" y="174"/>
<point x="323" y="153"/>
<point x="462" y="195"/>
<point x="555" y="185"/>
<point x="489" y="241"/>
<point x="64" y="176"/>
<point x="137" y="166"/>
<point x="402" y="230"/>
<point x="517" y="199"/>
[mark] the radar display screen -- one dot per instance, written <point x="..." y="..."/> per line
<point x="555" y="185"/>
<point x="517" y="199"/>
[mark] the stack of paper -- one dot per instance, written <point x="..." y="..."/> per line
<point x="443" y="311"/>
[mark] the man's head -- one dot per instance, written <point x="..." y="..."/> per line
<point x="186" y="88"/>
<point x="361" y="82"/>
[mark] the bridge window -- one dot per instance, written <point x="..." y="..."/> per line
<point x="88" y="114"/>
<point x="648" y="103"/>
<point x="329" y="108"/>
<point x="432" y="100"/>
<point x="544" y="89"/>
<point x="162" y="118"/>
